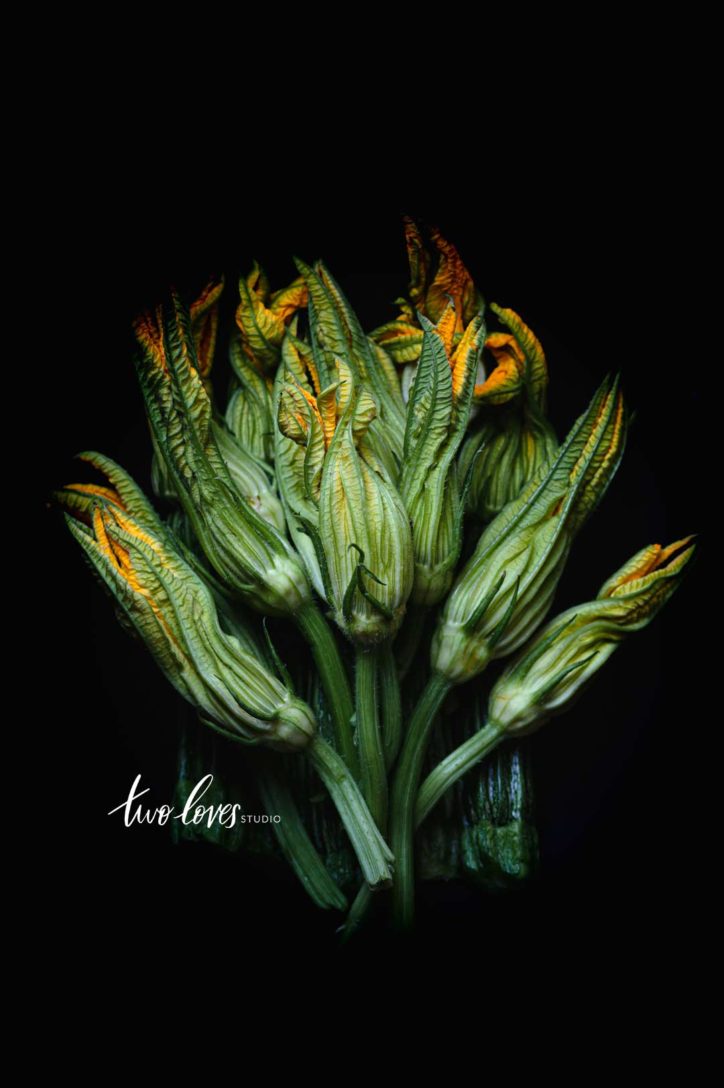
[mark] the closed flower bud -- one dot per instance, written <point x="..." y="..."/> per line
<point x="252" y="478"/>
<point x="314" y="386"/>
<point x="337" y="336"/>
<point x="247" y="553"/>
<point x="249" y="409"/>
<point x="437" y="416"/>
<point x="262" y="322"/>
<point x="300" y="444"/>
<point x="363" y="527"/>
<point x="437" y="279"/>
<point x="568" y="652"/>
<point x="501" y="457"/>
<point x="507" y="586"/>
<point x="204" y="323"/>
<point x="173" y="612"/>
<point x="204" y="315"/>
<point x="513" y="438"/>
<point x="262" y="317"/>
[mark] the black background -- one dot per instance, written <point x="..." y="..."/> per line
<point x="596" y="238"/>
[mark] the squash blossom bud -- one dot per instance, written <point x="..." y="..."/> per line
<point x="252" y="477"/>
<point x="501" y="457"/>
<point x="305" y="420"/>
<point x="204" y="320"/>
<point x="337" y="336"/>
<point x="313" y="387"/>
<point x="513" y="437"/>
<point x="437" y="280"/>
<point x="247" y="553"/>
<point x="249" y="410"/>
<point x="262" y="319"/>
<point x="567" y="653"/>
<point x="437" y="416"/>
<point x="363" y="528"/>
<point x="507" y="586"/>
<point x="169" y="607"/>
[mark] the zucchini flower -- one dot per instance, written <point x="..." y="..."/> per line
<point x="262" y="320"/>
<point x="358" y="544"/>
<point x="305" y="421"/>
<point x="204" y="319"/>
<point x="249" y="410"/>
<point x="436" y="280"/>
<point x="217" y="669"/>
<point x="173" y="612"/>
<point x="365" y="533"/>
<point x="262" y="317"/>
<point x="507" y="586"/>
<point x="336" y="336"/>
<point x="315" y="384"/>
<point x="437" y="416"/>
<point x="513" y="438"/>
<point x="563" y="659"/>
<point x="248" y="553"/>
<point x="567" y="653"/>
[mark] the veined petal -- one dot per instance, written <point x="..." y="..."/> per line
<point x="285" y="302"/>
<point x="262" y="330"/>
<point x="446" y="326"/>
<point x="205" y="324"/>
<point x="507" y="380"/>
<point x="249" y="411"/>
<point x="400" y="339"/>
<point x="464" y="363"/>
<point x="419" y="261"/>
<point x="649" y="570"/>
<point x="124" y="493"/>
<point x="451" y="279"/>
<point x="537" y="368"/>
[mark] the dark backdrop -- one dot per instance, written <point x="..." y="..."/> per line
<point x="603" y="263"/>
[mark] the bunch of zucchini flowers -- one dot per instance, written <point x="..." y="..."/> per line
<point x="363" y="528"/>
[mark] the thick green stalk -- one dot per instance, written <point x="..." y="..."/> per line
<point x="297" y="847"/>
<point x="404" y="796"/>
<point x="453" y="767"/>
<point x="389" y="685"/>
<point x="391" y="722"/>
<point x="373" y="776"/>
<point x="373" y="853"/>
<point x="330" y="667"/>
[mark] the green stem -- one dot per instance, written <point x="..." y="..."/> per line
<point x="330" y="667"/>
<point x="357" y="912"/>
<point x="373" y="853"/>
<point x="297" y="847"/>
<point x="389" y="683"/>
<point x="391" y="715"/>
<point x="404" y="796"/>
<point x="449" y="770"/>
<point x="408" y="640"/>
<point x="373" y="777"/>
